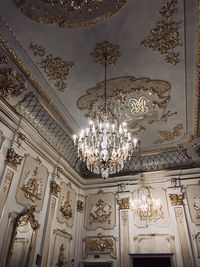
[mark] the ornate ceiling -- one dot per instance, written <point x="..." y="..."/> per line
<point x="48" y="75"/>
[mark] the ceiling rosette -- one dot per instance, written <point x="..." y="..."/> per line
<point x="69" y="13"/>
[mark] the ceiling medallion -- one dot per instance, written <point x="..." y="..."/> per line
<point x="106" y="144"/>
<point x="69" y="13"/>
<point x="142" y="100"/>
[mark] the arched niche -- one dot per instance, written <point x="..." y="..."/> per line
<point x="22" y="245"/>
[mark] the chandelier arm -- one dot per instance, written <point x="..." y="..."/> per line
<point x="105" y="84"/>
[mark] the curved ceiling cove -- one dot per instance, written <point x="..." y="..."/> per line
<point x="69" y="13"/>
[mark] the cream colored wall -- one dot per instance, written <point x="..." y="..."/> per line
<point x="175" y="233"/>
<point x="50" y="230"/>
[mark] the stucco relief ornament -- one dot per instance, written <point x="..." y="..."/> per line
<point x="54" y="188"/>
<point x="61" y="258"/>
<point x="196" y="205"/>
<point x="11" y="83"/>
<point x="12" y="158"/>
<point x="101" y="244"/>
<point x="164" y="37"/>
<point x="66" y="206"/>
<point x="32" y="186"/>
<point x="176" y="199"/>
<point x="100" y="212"/>
<point x="55" y="68"/>
<point x="28" y="216"/>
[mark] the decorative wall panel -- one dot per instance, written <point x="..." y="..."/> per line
<point x="33" y="182"/>
<point x="100" y="211"/>
<point x="193" y="197"/>
<point x="184" y="238"/>
<point x="154" y="243"/>
<point x="67" y="203"/>
<point x="99" y="245"/>
<point x="162" y="219"/>
<point x="61" y="248"/>
<point x="4" y="190"/>
<point x="197" y="239"/>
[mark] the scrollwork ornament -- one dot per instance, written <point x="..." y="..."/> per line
<point x="54" y="188"/>
<point x="164" y="37"/>
<point x="69" y="14"/>
<point x="124" y="203"/>
<point x="38" y="50"/>
<point x="179" y="215"/>
<point x="106" y="50"/>
<point x="166" y="136"/>
<point x="55" y="68"/>
<point x="32" y="186"/>
<point x="176" y="199"/>
<point x="28" y="216"/>
<point x="66" y="206"/>
<point x="100" y="212"/>
<point x="12" y="158"/>
<point x="11" y="83"/>
<point x="124" y="216"/>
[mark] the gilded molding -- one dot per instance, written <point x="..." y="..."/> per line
<point x="12" y="158"/>
<point x="54" y="188"/>
<point x="166" y="136"/>
<point x="164" y="37"/>
<point x="176" y="199"/>
<point x="124" y="203"/>
<point x="27" y="73"/>
<point x="66" y="206"/>
<point x="32" y="186"/>
<point x="100" y="212"/>
<point x="100" y="244"/>
<point x="28" y="216"/>
<point x="66" y="15"/>
<point x="55" y="68"/>
<point x="11" y="83"/>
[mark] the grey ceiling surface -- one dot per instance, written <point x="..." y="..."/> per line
<point x="171" y="133"/>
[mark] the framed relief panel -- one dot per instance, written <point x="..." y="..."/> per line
<point x="67" y="202"/>
<point x="33" y="183"/>
<point x="193" y="199"/>
<point x="100" y="211"/>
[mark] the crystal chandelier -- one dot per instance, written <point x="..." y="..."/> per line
<point x="106" y="144"/>
<point x="146" y="207"/>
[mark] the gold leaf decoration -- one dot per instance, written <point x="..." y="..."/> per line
<point x="166" y="136"/>
<point x="55" y="68"/>
<point x="11" y="83"/>
<point x="164" y="37"/>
